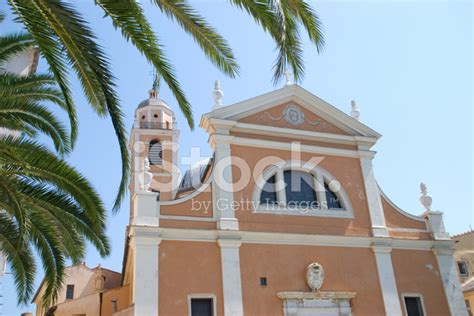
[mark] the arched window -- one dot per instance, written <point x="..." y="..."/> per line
<point x="268" y="194"/>
<point x="155" y="153"/>
<point x="301" y="189"/>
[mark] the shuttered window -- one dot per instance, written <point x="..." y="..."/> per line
<point x="155" y="153"/>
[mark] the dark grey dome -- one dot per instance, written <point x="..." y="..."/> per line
<point x="152" y="102"/>
<point x="194" y="177"/>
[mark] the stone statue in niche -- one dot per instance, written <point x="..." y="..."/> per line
<point x="315" y="276"/>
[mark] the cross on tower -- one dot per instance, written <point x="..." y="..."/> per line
<point x="156" y="79"/>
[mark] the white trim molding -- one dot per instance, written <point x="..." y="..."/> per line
<point x="291" y="93"/>
<point x="235" y="126"/>
<point x="382" y="251"/>
<point x="449" y="276"/>
<point x="317" y="303"/>
<point x="398" y="209"/>
<point x="374" y="202"/>
<point x="231" y="276"/>
<point x="223" y="187"/>
<point x="145" y="246"/>
<point x="291" y="238"/>
<point x="282" y="145"/>
<point x="203" y="295"/>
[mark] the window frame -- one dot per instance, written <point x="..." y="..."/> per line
<point x="203" y="295"/>
<point x="320" y="177"/>
<point x="417" y="295"/>
<point x="466" y="266"/>
<point x="68" y="286"/>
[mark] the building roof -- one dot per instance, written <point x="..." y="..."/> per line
<point x="194" y="177"/>
<point x="470" y="231"/>
<point x="82" y="265"/>
<point x="296" y="93"/>
<point x="151" y="102"/>
<point x="468" y="285"/>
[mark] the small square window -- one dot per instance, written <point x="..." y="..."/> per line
<point x="413" y="306"/>
<point x="462" y="266"/>
<point x="263" y="281"/>
<point x="70" y="291"/>
<point x="202" y="307"/>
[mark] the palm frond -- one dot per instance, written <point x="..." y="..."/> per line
<point x="37" y="117"/>
<point x="13" y="44"/>
<point x="280" y="19"/>
<point x="34" y="87"/>
<point x="51" y="50"/>
<point x="59" y="22"/>
<point x="212" y="44"/>
<point x="47" y="203"/>
<point x="32" y="160"/>
<point x="129" y="17"/>
<point x="46" y="242"/>
<point x="19" y="256"/>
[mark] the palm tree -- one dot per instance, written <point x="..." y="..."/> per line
<point x="65" y="38"/>
<point x="45" y="204"/>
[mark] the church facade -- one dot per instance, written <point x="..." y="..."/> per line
<point x="286" y="218"/>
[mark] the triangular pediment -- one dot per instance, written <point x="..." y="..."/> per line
<point x="292" y="107"/>
<point x="292" y="115"/>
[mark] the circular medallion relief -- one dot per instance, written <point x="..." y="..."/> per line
<point x="293" y="115"/>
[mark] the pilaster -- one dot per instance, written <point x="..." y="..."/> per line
<point x="223" y="187"/>
<point x="231" y="280"/>
<point x="145" y="243"/>
<point x="382" y="250"/>
<point x="377" y="217"/>
<point x="447" y="268"/>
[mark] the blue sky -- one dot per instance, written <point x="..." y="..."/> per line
<point x="408" y="64"/>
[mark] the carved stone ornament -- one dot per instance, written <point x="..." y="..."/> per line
<point x="146" y="176"/>
<point x="315" y="276"/>
<point x="293" y="115"/>
<point x="425" y="199"/>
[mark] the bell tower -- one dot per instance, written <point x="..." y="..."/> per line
<point x="154" y="148"/>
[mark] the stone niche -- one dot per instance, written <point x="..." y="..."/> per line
<point x="317" y="303"/>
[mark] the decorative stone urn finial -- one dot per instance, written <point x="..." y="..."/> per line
<point x="217" y="94"/>
<point x="425" y="199"/>
<point x="147" y="175"/>
<point x="355" y="113"/>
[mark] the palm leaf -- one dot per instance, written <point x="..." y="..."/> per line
<point x="51" y="50"/>
<point x="29" y="159"/>
<point x="13" y="44"/>
<point x="37" y="117"/>
<point x="128" y="15"/>
<point x="58" y="21"/>
<point x="212" y="44"/>
<point x="19" y="256"/>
